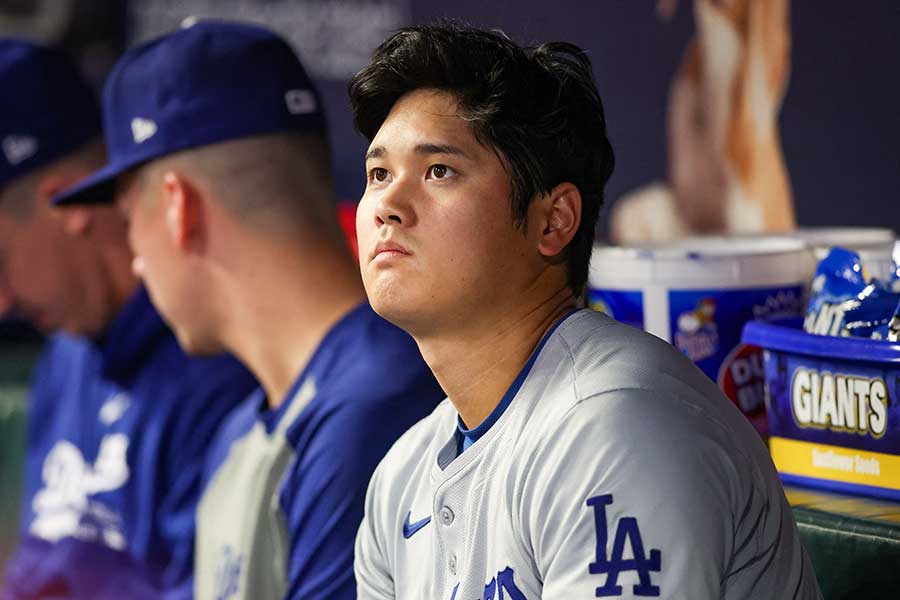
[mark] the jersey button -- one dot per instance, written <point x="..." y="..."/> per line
<point x="446" y="516"/>
<point x="452" y="564"/>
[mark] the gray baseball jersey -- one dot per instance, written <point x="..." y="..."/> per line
<point x="616" y="470"/>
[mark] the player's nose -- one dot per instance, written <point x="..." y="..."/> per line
<point x="394" y="205"/>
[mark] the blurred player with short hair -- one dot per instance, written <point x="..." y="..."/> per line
<point x="576" y="457"/>
<point x="119" y="419"/>
<point x="219" y="160"/>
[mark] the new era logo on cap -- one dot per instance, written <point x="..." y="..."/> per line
<point x="17" y="148"/>
<point x="46" y="109"/>
<point x="142" y="129"/>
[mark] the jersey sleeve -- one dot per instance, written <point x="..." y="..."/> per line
<point x="323" y="499"/>
<point x="625" y="503"/>
<point x="204" y="407"/>
<point x="373" y="574"/>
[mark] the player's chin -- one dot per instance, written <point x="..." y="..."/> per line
<point x="395" y="303"/>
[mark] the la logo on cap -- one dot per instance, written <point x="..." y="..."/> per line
<point x="142" y="129"/>
<point x="17" y="148"/>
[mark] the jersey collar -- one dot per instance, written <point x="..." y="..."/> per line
<point x="132" y="335"/>
<point x="467" y="437"/>
<point x="329" y="347"/>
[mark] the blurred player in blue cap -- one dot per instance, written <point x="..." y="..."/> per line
<point x="219" y="160"/>
<point x="577" y="457"/>
<point x="119" y="419"/>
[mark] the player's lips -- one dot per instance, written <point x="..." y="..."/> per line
<point x="387" y="250"/>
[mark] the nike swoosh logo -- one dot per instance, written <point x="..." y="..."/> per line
<point x="409" y="529"/>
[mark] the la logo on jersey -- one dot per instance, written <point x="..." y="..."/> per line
<point x="228" y="573"/>
<point x="64" y="507"/>
<point x="501" y="587"/>
<point x="615" y="564"/>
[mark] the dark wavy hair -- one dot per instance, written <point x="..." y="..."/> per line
<point x="538" y="107"/>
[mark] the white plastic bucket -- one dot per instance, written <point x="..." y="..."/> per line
<point x="698" y="293"/>
<point x="875" y="245"/>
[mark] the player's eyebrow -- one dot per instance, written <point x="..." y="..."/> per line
<point x="426" y="149"/>
<point x="376" y="152"/>
<point x="421" y="149"/>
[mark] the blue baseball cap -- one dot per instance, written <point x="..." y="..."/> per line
<point x="46" y="109"/>
<point x="210" y="82"/>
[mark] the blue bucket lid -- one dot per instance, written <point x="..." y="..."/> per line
<point x="787" y="335"/>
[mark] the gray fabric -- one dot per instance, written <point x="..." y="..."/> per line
<point x="608" y="414"/>
<point x="242" y="535"/>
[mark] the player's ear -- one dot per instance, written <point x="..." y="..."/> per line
<point x="555" y="218"/>
<point x="183" y="208"/>
<point x="76" y="220"/>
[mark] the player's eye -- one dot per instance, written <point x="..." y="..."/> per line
<point x="379" y="174"/>
<point x="439" y="172"/>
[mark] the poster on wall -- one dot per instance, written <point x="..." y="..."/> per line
<point x="334" y="39"/>
<point x="726" y="171"/>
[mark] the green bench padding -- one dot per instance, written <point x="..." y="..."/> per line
<point x="12" y="444"/>
<point x="854" y="543"/>
<point x="15" y="364"/>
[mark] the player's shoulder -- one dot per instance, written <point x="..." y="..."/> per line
<point x="62" y="351"/>
<point x="591" y="355"/>
<point x="368" y="375"/>
<point x="601" y="378"/>
<point x="234" y="427"/>
<point x="362" y="327"/>
<point x="65" y="365"/>
<point x="364" y="344"/>
<point x="183" y="369"/>
<point x="428" y="431"/>
<point x="346" y="451"/>
<point x="176" y="378"/>
<point x="362" y="403"/>
<point x="598" y="344"/>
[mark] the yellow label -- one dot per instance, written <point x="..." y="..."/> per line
<point x="835" y="463"/>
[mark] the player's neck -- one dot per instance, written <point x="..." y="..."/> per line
<point x="282" y="308"/>
<point x="476" y="368"/>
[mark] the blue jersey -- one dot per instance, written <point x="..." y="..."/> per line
<point x="281" y="512"/>
<point x="118" y="431"/>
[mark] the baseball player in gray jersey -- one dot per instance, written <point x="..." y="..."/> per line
<point x="575" y="457"/>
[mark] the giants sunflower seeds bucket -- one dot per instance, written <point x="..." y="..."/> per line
<point x="698" y="293"/>
<point x="834" y="418"/>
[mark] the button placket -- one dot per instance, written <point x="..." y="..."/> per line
<point x="446" y="516"/>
